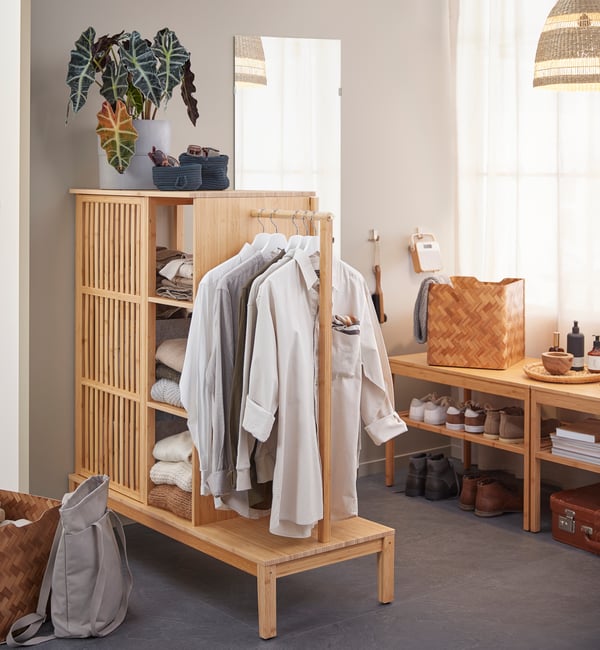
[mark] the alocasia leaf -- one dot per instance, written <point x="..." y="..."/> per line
<point x="117" y="135"/>
<point x="137" y="56"/>
<point x="81" y="72"/>
<point x="114" y="82"/>
<point x="187" y="90"/>
<point x="171" y="56"/>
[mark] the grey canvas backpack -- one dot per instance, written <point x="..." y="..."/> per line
<point x="87" y="576"/>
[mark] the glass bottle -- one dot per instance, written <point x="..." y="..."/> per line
<point x="555" y="347"/>
<point x="593" y="357"/>
<point x="575" y="345"/>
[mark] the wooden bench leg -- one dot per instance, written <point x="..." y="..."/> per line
<point x="385" y="570"/>
<point x="266" y="583"/>
<point x="389" y="463"/>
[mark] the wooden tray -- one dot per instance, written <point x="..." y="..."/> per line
<point x="537" y="371"/>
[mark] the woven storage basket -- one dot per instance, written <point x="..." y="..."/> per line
<point x="24" y="553"/>
<point x="183" y="177"/>
<point x="214" y="170"/>
<point x="473" y="324"/>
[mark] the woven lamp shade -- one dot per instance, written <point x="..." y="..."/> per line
<point x="250" y="67"/>
<point x="568" y="52"/>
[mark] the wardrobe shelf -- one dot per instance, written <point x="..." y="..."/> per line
<point x="159" y="300"/>
<point x="167" y="408"/>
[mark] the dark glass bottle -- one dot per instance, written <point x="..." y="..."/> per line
<point x="576" y="346"/>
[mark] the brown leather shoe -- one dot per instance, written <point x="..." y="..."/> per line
<point x="494" y="498"/>
<point x="468" y="492"/>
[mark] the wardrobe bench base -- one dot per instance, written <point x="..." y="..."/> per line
<point x="249" y="546"/>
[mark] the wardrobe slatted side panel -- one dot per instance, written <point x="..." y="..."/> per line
<point x="111" y="444"/>
<point x="110" y="347"/>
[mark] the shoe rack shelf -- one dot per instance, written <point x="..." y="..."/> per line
<point x="582" y="398"/>
<point x="511" y="383"/>
<point x="513" y="447"/>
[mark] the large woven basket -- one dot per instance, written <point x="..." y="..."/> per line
<point x="473" y="324"/>
<point x="24" y="553"/>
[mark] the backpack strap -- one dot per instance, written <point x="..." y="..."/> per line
<point x="98" y="593"/>
<point x="31" y="623"/>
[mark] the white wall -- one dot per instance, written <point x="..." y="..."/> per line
<point x="397" y="158"/>
<point x="14" y="249"/>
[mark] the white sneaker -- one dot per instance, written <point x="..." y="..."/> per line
<point x="435" y="411"/>
<point x="417" y="407"/>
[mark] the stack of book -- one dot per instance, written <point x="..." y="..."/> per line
<point x="578" y="440"/>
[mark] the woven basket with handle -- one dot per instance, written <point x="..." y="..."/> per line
<point x="24" y="553"/>
<point x="473" y="324"/>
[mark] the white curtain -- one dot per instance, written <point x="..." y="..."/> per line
<point x="528" y="172"/>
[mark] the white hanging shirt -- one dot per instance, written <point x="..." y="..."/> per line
<point x="361" y="387"/>
<point x="197" y="384"/>
<point x="283" y="383"/>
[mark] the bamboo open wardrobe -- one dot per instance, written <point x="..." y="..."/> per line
<point x="116" y="335"/>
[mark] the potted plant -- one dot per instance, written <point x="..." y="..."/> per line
<point x="135" y="78"/>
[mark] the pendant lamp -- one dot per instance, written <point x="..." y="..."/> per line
<point x="568" y="52"/>
<point x="250" y="67"/>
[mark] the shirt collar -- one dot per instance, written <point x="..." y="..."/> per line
<point x="305" y="262"/>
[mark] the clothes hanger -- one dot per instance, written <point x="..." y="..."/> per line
<point x="276" y="240"/>
<point x="295" y="240"/>
<point x="261" y="239"/>
<point x="311" y="243"/>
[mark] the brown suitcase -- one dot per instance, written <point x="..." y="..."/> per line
<point x="576" y="517"/>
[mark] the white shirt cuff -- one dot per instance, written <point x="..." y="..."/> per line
<point x="257" y="420"/>
<point x="386" y="428"/>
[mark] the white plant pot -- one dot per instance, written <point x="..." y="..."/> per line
<point x="138" y="175"/>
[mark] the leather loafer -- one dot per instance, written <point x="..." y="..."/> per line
<point x="494" y="498"/>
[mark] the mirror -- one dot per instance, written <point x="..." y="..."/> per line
<point x="287" y="126"/>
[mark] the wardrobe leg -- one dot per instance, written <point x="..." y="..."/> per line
<point x="385" y="570"/>
<point x="266" y="582"/>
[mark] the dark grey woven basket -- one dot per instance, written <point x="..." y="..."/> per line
<point x="214" y="170"/>
<point x="184" y="177"/>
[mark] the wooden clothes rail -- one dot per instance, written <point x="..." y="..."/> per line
<point x="114" y="421"/>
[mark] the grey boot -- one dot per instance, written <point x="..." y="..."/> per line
<point x="417" y="472"/>
<point x="441" y="481"/>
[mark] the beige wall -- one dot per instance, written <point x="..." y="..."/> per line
<point x="397" y="159"/>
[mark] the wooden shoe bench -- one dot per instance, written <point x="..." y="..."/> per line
<point x="511" y="383"/>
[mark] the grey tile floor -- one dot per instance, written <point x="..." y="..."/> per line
<point x="461" y="582"/>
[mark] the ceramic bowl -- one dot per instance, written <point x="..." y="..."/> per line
<point x="557" y="363"/>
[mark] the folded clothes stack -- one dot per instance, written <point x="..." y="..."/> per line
<point x="169" y="358"/>
<point x="172" y="474"/>
<point x="175" y="274"/>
